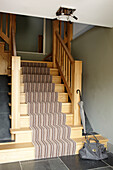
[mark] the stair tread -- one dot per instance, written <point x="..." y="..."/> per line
<point x="76" y="127"/>
<point x="40" y="74"/>
<point x="20" y="130"/>
<point x="82" y="139"/>
<point x="30" y="61"/>
<point x="66" y="103"/>
<point x="14" y="146"/>
<point x="53" y="69"/>
<point x="21" y="115"/>
<point x="69" y="114"/>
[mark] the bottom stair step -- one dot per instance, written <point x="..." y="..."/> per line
<point x="80" y="141"/>
<point x="16" y="152"/>
<point x="22" y="135"/>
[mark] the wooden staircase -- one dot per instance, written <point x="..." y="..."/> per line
<point x="22" y="137"/>
<point x="66" y="74"/>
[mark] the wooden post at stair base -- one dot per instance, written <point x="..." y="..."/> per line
<point x="55" y="28"/>
<point x="77" y="84"/>
<point x="15" y="99"/>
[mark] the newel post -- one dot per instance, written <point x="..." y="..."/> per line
<point x="15" y="90"/>
<point x="77" y="84"/>
<point x="55" y="28"/>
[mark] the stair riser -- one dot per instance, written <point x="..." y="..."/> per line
<point x="69" y="120"/>
<point x="58" y="88"/>
<point x="22" y="97"/>
<point x="23" y="137"/>
<point x="55" y="79"/>
<point x="61" y="97"/>
<point x="24" y="122"/>
<point x="17" y="155"/>
<point x="76" y="133"/>
<point x="49" y="64"/>
<point x="66" y="108"/>
<point x="52" y="72"/>
<point x="23" y="109"/>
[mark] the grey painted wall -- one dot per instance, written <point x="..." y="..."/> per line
<point x="95" y="49"/>
<point x="27" y="31"/>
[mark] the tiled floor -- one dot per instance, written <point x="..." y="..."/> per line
<point x="62" y="163"/>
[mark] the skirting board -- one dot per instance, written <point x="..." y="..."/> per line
<point x="110" y="147"/>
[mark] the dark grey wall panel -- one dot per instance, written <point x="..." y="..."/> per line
<point x="4" y="108"/>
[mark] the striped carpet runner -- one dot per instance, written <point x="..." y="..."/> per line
<point x="51" y="136"/>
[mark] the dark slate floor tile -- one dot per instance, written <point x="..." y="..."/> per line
<point x="4" y="80"/>
<point x="4" y="126"/>
<point x="75" y="162"/>
<point x="4" y="100"/>
<point x="10" y="166"/>
<point x="110" y="159"/>
<point x="48" y="164"/>
<point x="104" y="168"/>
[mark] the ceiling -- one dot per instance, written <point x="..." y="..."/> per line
<point x="92" y="12"/>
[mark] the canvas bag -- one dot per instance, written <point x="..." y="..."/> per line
<point x="93" y="151"/>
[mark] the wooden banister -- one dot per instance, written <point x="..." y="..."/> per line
<point x="64" y="47"/>
<point x="15" y="90"/>
<point x="71" y="73"/>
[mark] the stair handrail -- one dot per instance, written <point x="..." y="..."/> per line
<point x="71" y="73"/>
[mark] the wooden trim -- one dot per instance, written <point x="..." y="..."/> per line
<point x="6" y="25"/>
<point x="15" y="90"/>
<point x="1" y="17"/>
<point x="77" y="83"/>
<point x="13" y="30"/>
<point x="44" y="37"/>
<point x="4" y="37"/>
<point x="50" y="55"/>
<point x="55" y="28"/>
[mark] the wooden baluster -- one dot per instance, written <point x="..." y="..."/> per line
<point x="10" y="27"/>
<point x="62" y="58"/>
<point x="72" y="72"/>
<point x="58" y="51"/>
<point x="60" y="55"/>
<point x="6" y="25"/>
<point x="60" y="28"/>
<point x="66" y="67"/>
<point x="1" y="15"/>
<point x="69" y="73"/>
<point x="67" y="70"/>
<point x="64" y="63"/>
